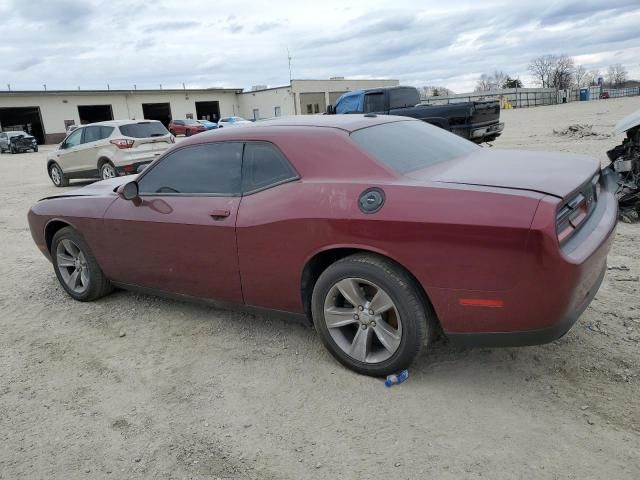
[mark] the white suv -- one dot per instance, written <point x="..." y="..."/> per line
<point x="107" y="149"/>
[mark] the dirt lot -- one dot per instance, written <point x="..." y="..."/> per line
<point x="194" y="392"/>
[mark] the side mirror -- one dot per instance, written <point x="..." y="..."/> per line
<point x="129" y="191"/>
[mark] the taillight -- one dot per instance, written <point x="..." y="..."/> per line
<point x="575" y="211"/>
<point x="123" y="143"/>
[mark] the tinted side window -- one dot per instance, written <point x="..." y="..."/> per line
<point x="91" y="134"/>
<point x="411" y="145"/>
<point x="143" y="130"/>
<point x="74" y="139"/>
<point x="374" y="102"/>
<point x="403" y="98"/>
<point x="264" y="165"/>
<point x="212" y="168"/>
<point x="105" y="132"/>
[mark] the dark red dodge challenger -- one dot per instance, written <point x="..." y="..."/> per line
<point x="380" y="230"/>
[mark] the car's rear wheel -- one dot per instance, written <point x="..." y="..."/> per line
<point x="58" y="178"/>
<point x="370" y="314"/>
<point x="107" y="170"/>
<point x="76" y="268"/>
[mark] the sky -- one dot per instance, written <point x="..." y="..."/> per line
<point x="217" y="43"/>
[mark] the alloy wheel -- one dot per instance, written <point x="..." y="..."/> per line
<point x="72" y="265"/>
<point x="362" y="320"/>
<point x="108" y="171"/>
<point x="55" y="175"/>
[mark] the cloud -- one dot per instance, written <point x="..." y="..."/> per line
<point x="243" y="43"/>
<point x="168" y="26"/>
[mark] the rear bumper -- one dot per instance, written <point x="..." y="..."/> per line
<point x="555" y="286"/>
<point x="529" y="337"/>
<point x="489" y="131"/>
<point x="136" y="167"/>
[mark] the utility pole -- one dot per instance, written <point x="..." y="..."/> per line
<point x="289" y="59"/>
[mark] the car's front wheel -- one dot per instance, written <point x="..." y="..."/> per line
<point x="187" y="133"/>
<point x="58" y="178"/>
<point x="371" y="315"/>
<point x="107" y="170"/>
<point x="76" y="268"/>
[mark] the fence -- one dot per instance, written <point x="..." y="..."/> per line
<point x="530" y="97"/>
<point x="509" y="98"/>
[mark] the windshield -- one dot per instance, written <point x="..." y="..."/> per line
<point x="144" y="130"/>
<point x="411" y="145"/>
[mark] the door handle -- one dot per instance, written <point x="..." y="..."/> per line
<point x="220" y="214"/>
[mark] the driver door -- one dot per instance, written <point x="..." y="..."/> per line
<point x="179" y="236"/>
<point x="69" y="152"/>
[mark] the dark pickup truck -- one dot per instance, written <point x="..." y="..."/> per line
<point x="476" y="121"/>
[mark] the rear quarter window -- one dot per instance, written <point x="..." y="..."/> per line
<point x="411" y="145"/>
<point x="143" y="130"/>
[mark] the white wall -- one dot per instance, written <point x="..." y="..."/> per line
<point x="266" y="101"/>
<point x="56" y="107"/>
<point x="288" y="97"/>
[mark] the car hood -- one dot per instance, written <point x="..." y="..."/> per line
<point x="627" y="123"/>
<point x="556" y="174"/>
<point x="101" y="188"/>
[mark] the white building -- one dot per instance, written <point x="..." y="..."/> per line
<point x="301" y="97"/>
<point x="47" y="114"/>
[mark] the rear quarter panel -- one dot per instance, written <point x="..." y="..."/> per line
<point x="448" y="238"/>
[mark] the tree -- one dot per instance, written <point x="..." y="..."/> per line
<point x="512" y="83"/>
<point x="562" y="73"/>
<point x="552" y="71"/>
<point x="581" y="77"/>
<point x="617" y="75"/>
<point x="434" y="91"/>
<point x="541" y="69"/>
<point x="594" y="75"/>
<point x="491" y="82"/>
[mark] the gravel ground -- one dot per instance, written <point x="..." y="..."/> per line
<point x="134" y="386"/>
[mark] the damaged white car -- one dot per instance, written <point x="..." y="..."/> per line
<point x="625" y="160"/>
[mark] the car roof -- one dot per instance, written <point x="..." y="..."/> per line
<point x="117" y="123"/>
<point x="348" y="123"/>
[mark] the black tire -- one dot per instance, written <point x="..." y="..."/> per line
<point x="418" y="320"/>
<point x="35" y="149"/>
<point x="99" y="285"/>
<point x="63" y="180"/>
<point x="172" y="132"/>
<point x="13" y="150"/>
<point x="103" y="169"/>
<point x="187" y="133"/>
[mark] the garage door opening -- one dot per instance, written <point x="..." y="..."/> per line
<point x="157" y="111"/>
<point x="94" y="113"/>
<point x="27" y="119"/>
<point x="208" y="111"/>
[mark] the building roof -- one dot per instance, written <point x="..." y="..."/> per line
<point x="119" y="92"/>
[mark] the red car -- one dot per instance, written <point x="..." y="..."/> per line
<point x="185" y="127"/>
<point x="382" y="231"/>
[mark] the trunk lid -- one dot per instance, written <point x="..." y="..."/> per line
<point x="557" y="174"/>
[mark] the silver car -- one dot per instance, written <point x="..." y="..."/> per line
<point x="107" y="150"/>
<point x="17" y="142"/>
